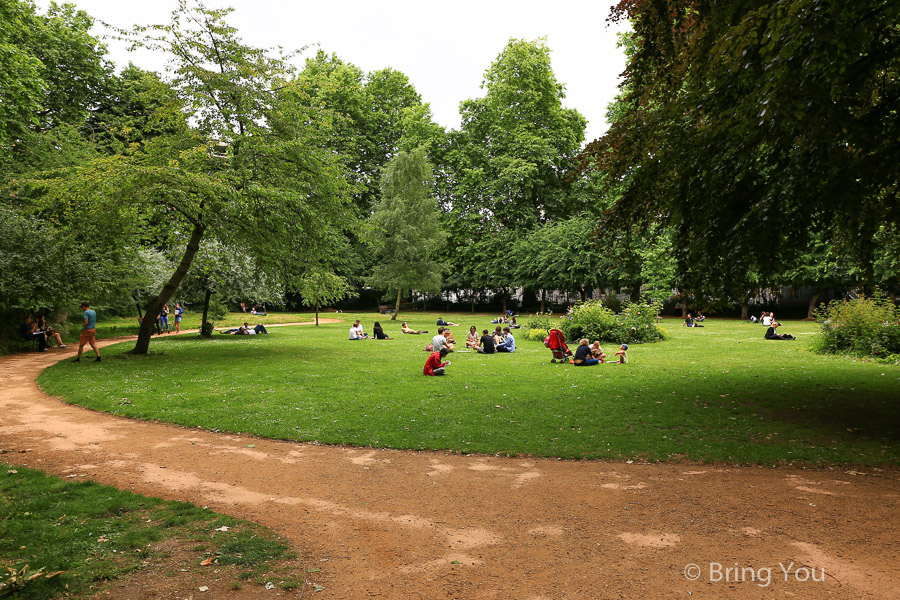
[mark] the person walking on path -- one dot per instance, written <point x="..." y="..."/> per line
<point x="88" y="332"/>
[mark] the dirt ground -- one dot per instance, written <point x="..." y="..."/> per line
<point x="373" y="523"/>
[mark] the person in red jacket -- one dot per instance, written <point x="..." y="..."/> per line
<point x="434" y="366"/>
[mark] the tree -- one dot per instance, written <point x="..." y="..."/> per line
<point x="320" y="288"/>
<point x="405" y="230"/>
<point x="750" y="127"/>
<point x="249" y="166"/>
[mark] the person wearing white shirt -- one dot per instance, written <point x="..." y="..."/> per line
<point x="356" y="331"/>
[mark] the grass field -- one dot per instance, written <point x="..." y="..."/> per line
<point x="720" y="393"/>
<point x="84" y="535"/>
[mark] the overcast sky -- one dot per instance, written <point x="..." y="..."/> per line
<point x="443" y="47"/>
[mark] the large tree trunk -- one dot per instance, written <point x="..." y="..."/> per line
<point x="636" y="293"/>
<point x="155" y="304"/>
<point x="473" y="303"/>
<point x="397" y="305"/>
<point x="811" y="314"/>
<point x="206" y="298"/>
<point x="504" y="302"/>
<point x="543" y="299"/>
<point x="317" y="314"/>
<point x="745" y="311"/>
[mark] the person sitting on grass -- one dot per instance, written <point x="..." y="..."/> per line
<point x="440" y="342"/>
<point x="356" y="331"/>
<point x="433" y="365"/>
<point x="29" y="331"/>
<point x="772" y="333"/>
<point x="441" y="321"/>
<point x="766" y="319"/>
<point x="597" y="352"/>
<point x="487" y="345"/>
<point x="622" y="353"/>
<point x="508" y="344"/>
<point x="513" y="324"/>
<point x="583" y="356"/>
<point x="498" y="335"/>
<point x="689" y="322"/>
<point x="406" y="329"/>
<point x="378" y="332"/>
<point x="472" y="338"/>
<point x="451" y="340"/>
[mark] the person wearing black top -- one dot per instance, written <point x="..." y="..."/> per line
<point x="378" y="332"/>
<point x="487" y="343"/>
<point x="28" y="332"/>
<point x="772" y="334"/>
<point x="583" y="356"/>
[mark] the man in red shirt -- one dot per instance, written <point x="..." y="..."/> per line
<point x="434" y="366"/>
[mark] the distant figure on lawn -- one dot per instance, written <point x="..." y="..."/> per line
<point x="356" y="331"/>
<point x="406" y="329"/>
<point x="766" y="319"/>
<point x="772" y="333"/>
<point x="441" y="321"/>
<point x="689" y="322"/>
<point x="583" y="356"/>
<point x="434" y="366"/>
<point x="378" y="332"/>
<point x="88" y="332"/>
<point x="179" y="313"/>
<point x="487" y="345"/>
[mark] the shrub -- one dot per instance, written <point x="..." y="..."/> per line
<point x="634" y="325"/>
<point x="536" y="334"/>
<point x="538" y="322"/>
<point x="863" y="326"/>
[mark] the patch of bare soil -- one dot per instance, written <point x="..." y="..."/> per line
<point x="397" y="524"/>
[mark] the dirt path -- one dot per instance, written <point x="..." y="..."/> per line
<point x="395" y="524"/>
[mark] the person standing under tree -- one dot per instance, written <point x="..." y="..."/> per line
<point x="88" y="332"/>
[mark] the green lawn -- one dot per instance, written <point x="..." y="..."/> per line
<point x="719" y="393"/>
<point x="84" y="535"/>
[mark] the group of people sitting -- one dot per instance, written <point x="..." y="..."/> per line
<point x="38" y="329"/>
<point x="501" y="340"/>
<point x="357" y="333"/>
<point x="245" y="329"/>
<point x="690" y="321"/>
<point x="507" y="320"/>
<point x="767" y="318"/>
<point x="256" y="309"/>
<point x="588" y="354"/>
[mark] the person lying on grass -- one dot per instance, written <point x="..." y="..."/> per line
<point x="583" y="356"/>
<point x="441" y="321"/>
<point x="434" y="366"/>
<point x="406" y="329"/>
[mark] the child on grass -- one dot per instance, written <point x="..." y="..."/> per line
<point x="622" y="353"/>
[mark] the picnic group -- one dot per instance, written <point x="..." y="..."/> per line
<point x="498" y="340"/>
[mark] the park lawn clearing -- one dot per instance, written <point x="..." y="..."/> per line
<point x="85" y="535"/>
<point x="717" y="393"/>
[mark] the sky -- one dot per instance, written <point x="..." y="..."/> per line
<point x="443" y="47"/>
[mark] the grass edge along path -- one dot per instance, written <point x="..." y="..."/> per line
<point x="716" y="394"/>
<point x="84" y="536"/>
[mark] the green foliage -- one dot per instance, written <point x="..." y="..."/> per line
<point x="751" y="126"/>
<point x="592" y="320"/>
<point x="538" y="321"/>
<point x="320" y="288"/>
<point x="535" y="335"/>
<point x="405" y="230"/>
<point x="863" y="326"/>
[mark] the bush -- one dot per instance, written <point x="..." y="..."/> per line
<point x="536" y="334"/>
<point x="863" y="326"/>
<point x="538" y="322"/>
<point x="634" y="325"/>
